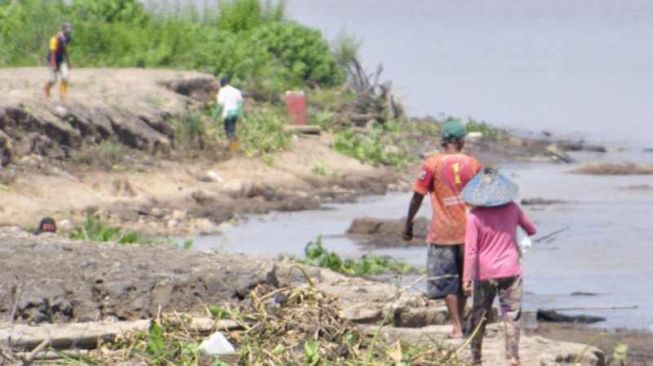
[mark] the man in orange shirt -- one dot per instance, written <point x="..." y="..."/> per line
<point x="443" y="176"/>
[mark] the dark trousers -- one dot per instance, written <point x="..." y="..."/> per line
<point x="230" y="126"/>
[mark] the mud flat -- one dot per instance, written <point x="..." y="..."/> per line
<point x="615" y="169"/>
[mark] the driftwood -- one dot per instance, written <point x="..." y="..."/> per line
<point x="88" y="335"/>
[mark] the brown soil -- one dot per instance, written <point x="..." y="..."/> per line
<point x="615" y="169"/>
<point x="640" y="345"/>
<point x="53" y="280"/>
<point x="57" y="165"/>
<point x="169" y="197"/>
<point x="387" y="232"/>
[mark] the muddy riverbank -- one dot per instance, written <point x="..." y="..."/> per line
<point x="53" y="280"/>
<point x="112" y="150"/>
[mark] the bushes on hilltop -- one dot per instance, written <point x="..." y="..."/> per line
<point x="252" y="42"/>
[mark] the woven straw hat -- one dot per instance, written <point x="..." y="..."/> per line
<point x="489" y="189"/>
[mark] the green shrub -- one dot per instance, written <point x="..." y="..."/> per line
<point x="379" y="146"/>
<point x="302" y="51"/>
<point x="110" y="11"/>
<point x="94" y="229"/>
<point x="262" y="132"/>
<point x="245" y="15"/>
<point x="190" y="131"/>
<point x="316" y="255"/>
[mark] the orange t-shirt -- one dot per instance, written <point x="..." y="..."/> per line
<point x="444" y="176"/>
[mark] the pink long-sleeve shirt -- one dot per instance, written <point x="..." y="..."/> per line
<point x="491" y="250"/>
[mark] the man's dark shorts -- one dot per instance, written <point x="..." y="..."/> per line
<point x="230" y="126"/>
<point x="444" y="265"/>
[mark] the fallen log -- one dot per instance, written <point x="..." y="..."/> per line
<point x="88" y="335"/>
<point x="303" y="129"/>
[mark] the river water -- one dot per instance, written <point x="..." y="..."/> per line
<point x="604" y="248"/>
<point x="580" y="67"/>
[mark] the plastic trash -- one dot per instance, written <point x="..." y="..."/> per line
<point x="525" y="244"/>
<point x="217" y="345"/>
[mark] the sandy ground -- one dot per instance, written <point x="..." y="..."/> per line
<point x="173" y="197"/>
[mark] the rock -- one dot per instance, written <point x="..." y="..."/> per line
<point x="65" y="225"/>
<point x="217" y="345"/>
<point x="555" y="317"/>
<point x="210" y="177"/>
<point x="61" y="112"/>
<point x="171" y="224"/>
<point x="387" y="232"/>
<point x="362" y="315"/>
<point x="541" y="202"/>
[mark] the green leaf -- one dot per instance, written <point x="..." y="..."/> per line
<point x="156" y="340"/>
<point x="311" y="352"/>
<point x="620" y="352"/>
<point x="219" y="312"/>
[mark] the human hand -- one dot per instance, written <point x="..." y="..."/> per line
<point x="467" y="288"/>
<point x="407" y="234"/>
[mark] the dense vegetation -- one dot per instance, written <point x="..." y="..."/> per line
<point x="253" y="43"/>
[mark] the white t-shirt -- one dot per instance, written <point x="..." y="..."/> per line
<point x="229" y="98"/>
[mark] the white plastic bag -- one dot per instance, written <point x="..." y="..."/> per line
<point x="525" y="244"/>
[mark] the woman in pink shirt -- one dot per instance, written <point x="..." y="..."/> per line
<point x="492" y="257"/>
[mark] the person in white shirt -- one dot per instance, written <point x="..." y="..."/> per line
<point x="230" y="107"/>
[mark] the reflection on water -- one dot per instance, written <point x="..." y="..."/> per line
<point x="606" y="249"/>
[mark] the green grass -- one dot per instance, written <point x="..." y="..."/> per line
<point x="261" y="132"/>
<point x="367" y="265"/>
<point x="319" y="169"/>
<point x="94" y="229"/>
<point x="381" y="146"/>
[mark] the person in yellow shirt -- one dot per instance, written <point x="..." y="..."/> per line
<point x="58" y="61"/>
